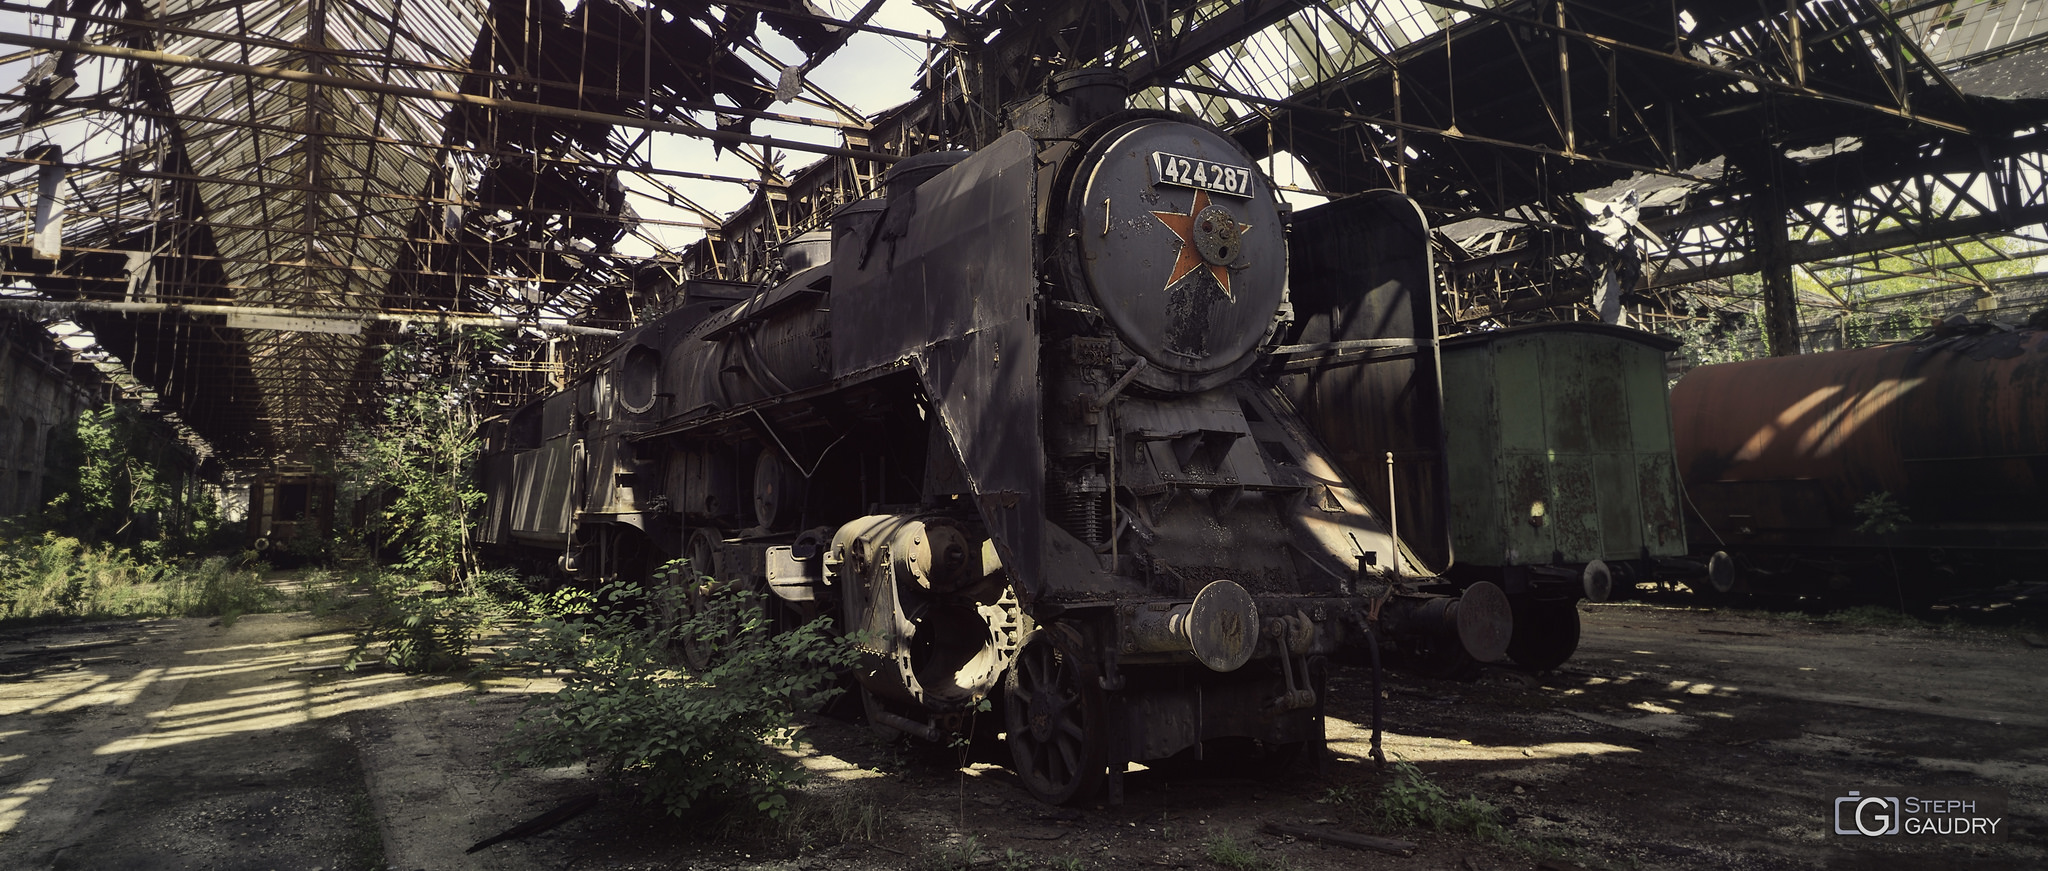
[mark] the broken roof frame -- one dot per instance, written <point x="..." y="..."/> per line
<point x="391" y="133"/>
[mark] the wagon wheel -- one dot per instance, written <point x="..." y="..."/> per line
<point x="1546" y="633"/>
<point x="1717" y="586"/>
<point x="1055" y="717"/>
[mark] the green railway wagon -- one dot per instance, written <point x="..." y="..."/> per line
<point x="1561" y="471"/>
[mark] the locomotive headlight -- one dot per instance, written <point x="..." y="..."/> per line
<point x="1217" y="236"/>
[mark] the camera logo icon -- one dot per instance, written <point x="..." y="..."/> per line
<point x="1869" y="815"/>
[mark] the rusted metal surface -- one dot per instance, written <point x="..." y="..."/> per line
<point x="1560" y="446"/>
<point x="1954" y="431"/>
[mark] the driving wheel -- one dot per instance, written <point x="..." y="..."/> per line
<point x="1054" y="713"/>
<point x="699" y="577"/>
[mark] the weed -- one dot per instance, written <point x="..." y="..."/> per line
<point x="1067" y="863"/>
<point x="811" y="821"/>
<point x="1412" y="799"/>
<point x="1343" y="796"/>
<point x="216" y="590"/>
<point x="855" y="821"/>
<point x="1880" y="514"/>
<point x="1224" y="850"/>
<point x="321" y="592"/>
<point x="950" y="856"/>
<point x="418" y="625"/>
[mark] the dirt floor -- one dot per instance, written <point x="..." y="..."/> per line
<point x="1677" y="739"/>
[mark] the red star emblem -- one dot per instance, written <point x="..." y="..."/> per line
<point x="1191" y="258"/>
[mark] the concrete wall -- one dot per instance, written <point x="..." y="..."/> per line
<point x="39" y="394"/>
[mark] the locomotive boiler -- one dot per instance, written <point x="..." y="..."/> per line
<point x="1042" y="426"/>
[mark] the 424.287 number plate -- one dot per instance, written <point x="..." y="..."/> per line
<point x="1194" y="172"/>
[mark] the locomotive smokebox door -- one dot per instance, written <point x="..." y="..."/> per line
<point x="1180" y="244"/>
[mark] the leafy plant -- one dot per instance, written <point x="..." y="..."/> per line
<point x="1880" y="514"/>
<point x="1342" y="796"/>
<point x="120" y="477"/>
<point x="418" y="625"/>
<point x="1710" y="338"/>
<point x="1883" y="516"/>
<point x="1412" y="799"/>
<point x="421" y="454"/>
<point x="684" y="740"/>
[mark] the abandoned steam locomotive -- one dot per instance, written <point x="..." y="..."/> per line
<point x="1046" y="425"/>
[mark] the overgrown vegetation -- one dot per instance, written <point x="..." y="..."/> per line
<point x="420" y="455"/>
<point x="1882" y="297"/>
<point x="1892" y="296"/>
<point x="122" y="532"/>
<point x="1725" y="337"/>
<point x="120" y="478"/>
<point x="55" y="576"/>
<point x="416" y="625"/>
<point x="418" y="461"/>
<point x="685" y="741"/>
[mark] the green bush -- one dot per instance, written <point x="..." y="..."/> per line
<point x="416" y="461"/>
<point x="417" y="625"/>
<point x="684" y="740"/>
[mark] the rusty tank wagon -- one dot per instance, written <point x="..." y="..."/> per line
<point x="1048" y="427"/>
<point x="1903" y="471"/>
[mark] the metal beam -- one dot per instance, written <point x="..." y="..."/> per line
<point x="65" y="308"/>
<point x="303" y="77"/>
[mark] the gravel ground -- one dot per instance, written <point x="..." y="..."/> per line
<point x="1676" y="739"/>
